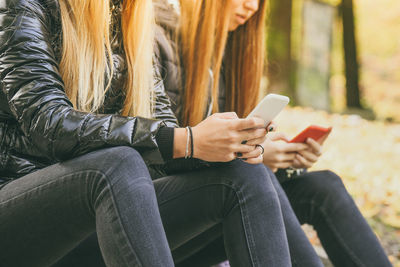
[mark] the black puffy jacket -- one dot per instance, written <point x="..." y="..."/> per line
<point x="38" y="125"/>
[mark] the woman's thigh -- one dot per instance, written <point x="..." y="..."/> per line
<point x="192" y="202"/>
<point x="44" y="214"/>
<point x="320" y="199"/>
<point x="47" y="213"/>
<point x="194" y="205"/>
<point x="237" y="195"/>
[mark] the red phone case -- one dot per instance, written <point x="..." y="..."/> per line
<point x="313" y="131"/>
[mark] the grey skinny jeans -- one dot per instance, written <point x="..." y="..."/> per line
<point x="48" y="213"/>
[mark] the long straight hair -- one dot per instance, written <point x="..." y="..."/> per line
<point x="205" y="42"/>
<point x="244" y="63"/>
<point x="87" y="57"/>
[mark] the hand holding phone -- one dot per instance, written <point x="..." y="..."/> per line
<point x="269" y="107"/>
<point x="313" y="131"/>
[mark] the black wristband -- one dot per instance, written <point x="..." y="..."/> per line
<point x="191" y="141"/>
<point x="165" y="142"/>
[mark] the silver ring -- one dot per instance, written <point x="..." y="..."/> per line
<point x="262" y="148"/>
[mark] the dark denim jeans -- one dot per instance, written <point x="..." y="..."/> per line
<point x="321" y="200"/>
<point x="234" y="199"/>
<point x="301" y="251"/>
<point x="49" y="212"/>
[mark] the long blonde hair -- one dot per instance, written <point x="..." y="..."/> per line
<point x="205" y="43"/>
<point x="87" y="55"/>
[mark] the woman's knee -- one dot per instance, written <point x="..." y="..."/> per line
<point x="252" y="182"/>
<point x="324" y="185"/>
<point x="126" y="162"/>
<point x="117" y="165"/>
<point x="108" y="159"/>
<point x="324" y="181"/>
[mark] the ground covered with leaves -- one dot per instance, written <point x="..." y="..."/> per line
<point x="366" y="154"/>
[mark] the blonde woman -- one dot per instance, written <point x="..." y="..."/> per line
<point x="211" y="55"/>
<point x="70" y="166"/>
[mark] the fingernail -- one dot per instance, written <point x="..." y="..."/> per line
<point x="244" y="142"/>
<point x="239" y="154"/>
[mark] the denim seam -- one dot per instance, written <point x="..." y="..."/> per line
<point x="332" y="226"/>
<point x="249" y="235"/>
<point x="137" y="259"/>
<point x="273" y="176"/>
<point x="117" y="211"/>
<point x="247" y="230"/>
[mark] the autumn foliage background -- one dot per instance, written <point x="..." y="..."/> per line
<point x="364" y="146"/>
<point x="366" y="155"/>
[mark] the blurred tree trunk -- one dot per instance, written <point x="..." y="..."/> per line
<point x="350" y="55"/>
<point x="279" y="48"/>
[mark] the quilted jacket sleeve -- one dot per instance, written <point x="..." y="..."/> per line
<point x="30" y="79"/>
<point x="162" y="107"/>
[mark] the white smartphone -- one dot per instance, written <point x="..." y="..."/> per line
<point x="269" y="107"/>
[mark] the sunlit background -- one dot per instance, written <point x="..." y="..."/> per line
<point x="312" y="47"/>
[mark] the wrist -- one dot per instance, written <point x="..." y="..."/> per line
<point x="189" y="150"/>
<point x="195" y="141"/>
